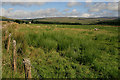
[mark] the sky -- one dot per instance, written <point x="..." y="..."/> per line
<point x="39" y="9"/>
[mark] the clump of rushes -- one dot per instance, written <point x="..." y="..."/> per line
<point x="68" y="51"/>
<point x="21" y="42"/>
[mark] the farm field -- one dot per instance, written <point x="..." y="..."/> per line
<point x="61" y="51"/>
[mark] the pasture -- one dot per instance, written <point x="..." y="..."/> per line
<point x="62" y="51"/>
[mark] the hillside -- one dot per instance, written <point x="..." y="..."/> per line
<point x="68" y="20"/>
<point x="2" y="18"/>
<point x="73" y="20"/>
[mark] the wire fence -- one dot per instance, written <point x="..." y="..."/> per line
<point x="27" y="65"/>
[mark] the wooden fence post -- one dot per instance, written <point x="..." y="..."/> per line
<point x="14" y="55"/>
<point x="5" y="35"/>
<point x="8" y="45"/>
<point x="27" y="68"/>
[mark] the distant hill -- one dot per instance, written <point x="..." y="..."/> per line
<point x="73" y="20"/>
<point x="68" y="20"/>
<point x="2" y="18"/>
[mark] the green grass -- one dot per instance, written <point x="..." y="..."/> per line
<point x="64" y="51"/>
<point x="74" y="20"/>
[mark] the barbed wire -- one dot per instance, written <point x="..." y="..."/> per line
<point x="10" y="59"/>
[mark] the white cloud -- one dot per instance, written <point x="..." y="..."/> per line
<point x="96" y="10"/>
<point x="96" y="7"/>
<point x="31" y="0"/>
<point x="73" y="13"/>
<point x="85" y="15"/>
<point x="29" y="14"/>
<point x="101" y="14"/>
<point x="66" y="10"/>
<point x="88" y="0"/>
<point x="71" y="4"/>
<point x="74" y="10"/>
<point x="50" y="12"/>
<point x="113" y="6"/>
<point x="104" y="14"/>
<point x="23" y="3"/>
<point x="59" y="0"/>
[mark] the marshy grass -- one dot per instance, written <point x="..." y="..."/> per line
<point x="65" y="53"/>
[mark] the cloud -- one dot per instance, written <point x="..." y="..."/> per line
<point x="97" y="7"/>
<point x="113" y="6"/>
<point x="32" y="0"/>
<point x="73" y="13"/>
<point x="74" y="10"/>
<point x="23" y="3"/>
<point x="101" y="1"/>
<point x="16" y="14"/>
<point x="101" y="14"/>
<point x="50" y="12"/>
<point x="59" y="0"/>
<point x="29" y="14"/>
<point x="94" y="10"/>
<point x="66" y="10"/>
<point x="85" y="15"/>
<point x="45" y="13"/>
<point x="71" y="4"/>
<point x="88" y="0"/>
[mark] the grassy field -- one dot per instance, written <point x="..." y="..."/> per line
<point x="62" y="51"/>
<point x="74" y="20"/>
<point x="67" y="20"/>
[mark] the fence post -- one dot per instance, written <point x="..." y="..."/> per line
<point x="5" y="35"/>
<point x="27" y="68"/>
<point x="8" y="45"/>
<point x="14" y="55"/>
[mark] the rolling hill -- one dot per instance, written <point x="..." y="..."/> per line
<point x="73" y="20"/>
<point x="68" y="20"/>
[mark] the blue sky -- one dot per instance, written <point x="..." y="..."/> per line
<point x="59" y="9"/>
<point x="58" y="5"/>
